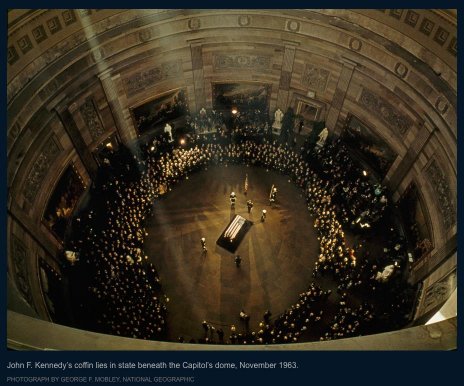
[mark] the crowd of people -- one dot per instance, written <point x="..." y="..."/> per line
<point x="359" y="202"/>
<point x="125" y="291"/>
<point x="206" y="122"/>
<point x="246" y="122"/>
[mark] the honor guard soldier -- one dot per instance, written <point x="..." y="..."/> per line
<point x="249" y="205"/>
<point x="273" y="196"/>
<point x="263" y="215"/>
<point x="232" y="199"/>
<point x="203" y="244"/>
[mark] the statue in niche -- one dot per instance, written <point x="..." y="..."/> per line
<point x="278" y="115"/>
<point x="322" y="137"/>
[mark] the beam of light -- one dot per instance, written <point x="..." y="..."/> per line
<point x="448" y="310"/>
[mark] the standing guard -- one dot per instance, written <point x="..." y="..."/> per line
<point x="232" y="199"/>
<point x="249" y="205"/>
<point x="273" y="195"/>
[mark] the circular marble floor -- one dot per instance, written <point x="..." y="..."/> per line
<point x="277" y="256"/>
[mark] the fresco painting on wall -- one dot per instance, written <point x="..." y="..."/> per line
<point x="53" y="290"/>
<point x="366" y="145"/>
<point x="62" y="201"/>
<point x="242" y="96"/>
<point x="415" y="222"/>
<point x="440" y="291"/>
<point x="155" y="113"/>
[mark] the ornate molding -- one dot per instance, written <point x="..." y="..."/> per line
<point x="91" y="118"/>
<point x="443" y="193"/>
<point x="355" y="44"/>
<point x="244" y="20"/>
<point x="385" y="111"/>
<point x="401" y="70"/>
<point x="241" y="61"/>
<point x="194" y="23"/>
<point x="19" y="257"/>
<point x="315" y="78"/>
<point x="293" y="25"/>
<point x="39" y="170"/>
<point x="144" y="79"/>
<point x="145" y="35"/>
<point x="441" y="104"/>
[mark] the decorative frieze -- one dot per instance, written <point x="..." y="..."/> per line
<point x="439" y="292"/>
<point x="315" y="78"/>
<point x="39" y="170"/>
<point x="241" y="61"/>
<point x="19" y="257"/>
<point x="385" y="111"/>
<point x="443" y="194"/>
<point x="92" y="119"/>
<point x="143" y="79"/>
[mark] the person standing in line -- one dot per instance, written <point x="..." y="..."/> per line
<point x="220" y="335"/>
<point x="203" y="245"/>
<point x="267" y="316"/>
<point x="238" y="260"/>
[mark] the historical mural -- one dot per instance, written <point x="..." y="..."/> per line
<point x="444" y="194"/>
<point x="415" y="222"/>
<point x="242" y="96"/>
<point x="91" y="118"/>
<point x="52" y="287"/>
<point x="368" y="146"/>
<point x="20" y="256"/>
<point x="41" y="167"/>
<point x="61" y="204"/>
<point x="395" y="119"/>
<point x="158" y="111"/>
<point x="315" y="78"/>
<point x="440" y="291"/>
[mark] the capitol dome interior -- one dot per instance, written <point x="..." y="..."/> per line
<point x="129" y="129"/>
